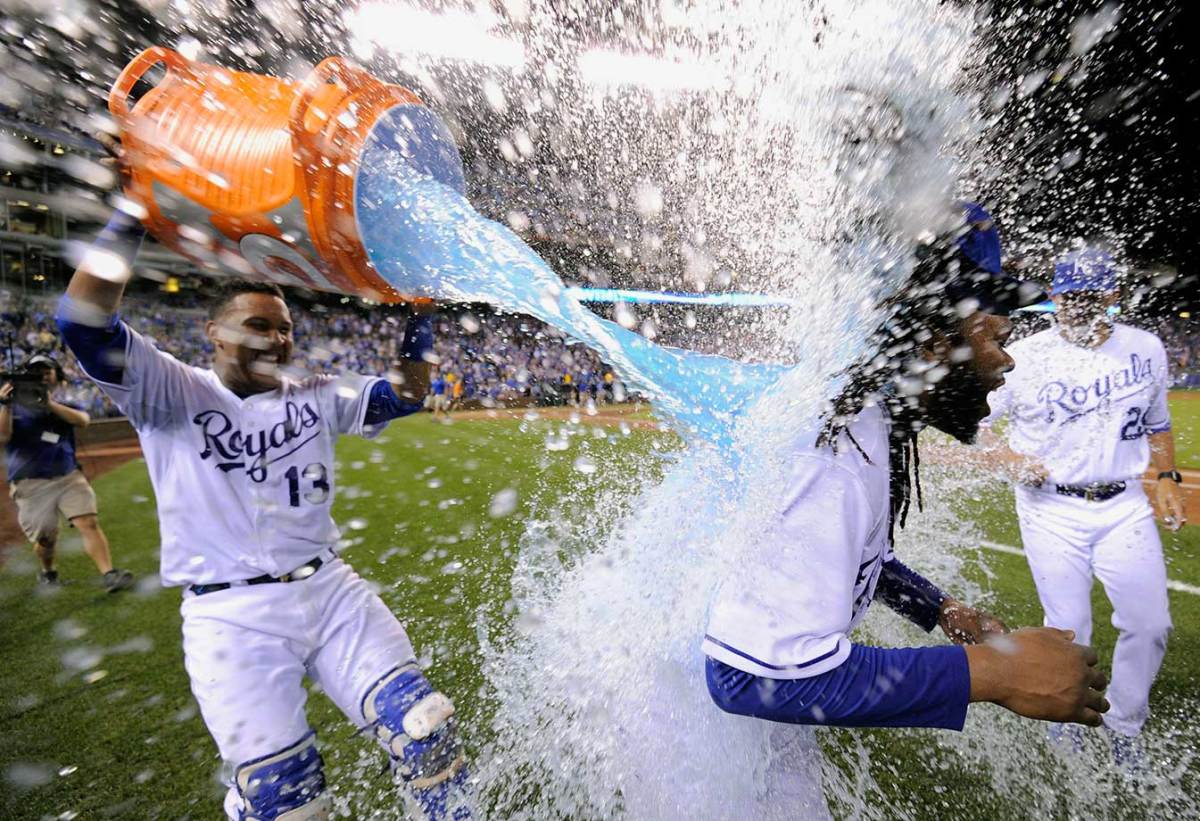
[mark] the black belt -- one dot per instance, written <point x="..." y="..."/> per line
<point x="1095" y="492"/>
<point x="300" y="573"/>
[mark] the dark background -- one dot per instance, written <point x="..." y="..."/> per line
<point x="1128" y="110"/>
<point x="1102" y="150"/>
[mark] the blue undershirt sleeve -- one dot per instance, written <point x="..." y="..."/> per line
<point x="874" y="687"/>
<point x="100" y="349"/>
<point x="910" y="594"/>
<point x="99" y="342"/>
<point x="383" y="405"/>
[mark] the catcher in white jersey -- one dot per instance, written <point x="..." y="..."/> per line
<point x="241" y="458"/>
<point x="1087" y="411"/>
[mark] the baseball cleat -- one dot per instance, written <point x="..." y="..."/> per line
<point x="1066" y="738"/>
<point x="48" y="577"/>
<point x="117" y="579"/>
<point x="1128" y="755"/>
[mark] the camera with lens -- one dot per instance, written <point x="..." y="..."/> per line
<point x="29" y="387"/>
<point x="29" y="381"/>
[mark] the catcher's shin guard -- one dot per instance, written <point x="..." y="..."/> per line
<point x="416" y="725"/>
<point x="285" y="786"/>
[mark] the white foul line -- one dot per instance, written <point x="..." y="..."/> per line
<point x="1179" y="587"/>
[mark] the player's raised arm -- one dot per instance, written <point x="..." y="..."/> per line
<point x="87" y="313"/>
<point x="141" y="380"/>
<point x="413" y="370"/>
<point x="98" y="284"/>
<point x="404" y="391"/>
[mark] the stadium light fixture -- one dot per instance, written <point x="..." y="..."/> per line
<point x="662" y="75"/>
<point x="449" y="35"/>
<point x="740" y="300"/>
<point x="1047" y="307"/>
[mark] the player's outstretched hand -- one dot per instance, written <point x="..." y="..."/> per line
<point x="118" y="159"/>
<point x="1031" y="472"/>
<point x="1039" y="672"/>
<point x="1170" y="502"/>
<point x="964" y="624"/>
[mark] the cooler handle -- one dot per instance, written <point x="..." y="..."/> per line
<point x="331" y="69"/>
<point x="118" y="97"/>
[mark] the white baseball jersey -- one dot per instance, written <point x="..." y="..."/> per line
<point x="244" y="486"/>
<point x="788" y="612"/>
<point x="1085" y="413"/>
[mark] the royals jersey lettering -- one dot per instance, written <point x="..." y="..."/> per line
<point x="788" y="612"/>
<point x="244" y="486"/>
<point x="1086" y="413"/>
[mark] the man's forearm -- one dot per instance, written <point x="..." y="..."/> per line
<point x="997" y="456"/>
<point x="874" y="687"/>
<point x="1162" y="451"/>
<point x="414" y="366"/>
<point x="73" y="417"/>
<point x="99" y="283"/>
<point x="910" y="594"/>
<point x="413" y="383"/>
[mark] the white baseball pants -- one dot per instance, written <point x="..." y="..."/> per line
<point x="247" y="650"/>
<point x="1067" y="541"/>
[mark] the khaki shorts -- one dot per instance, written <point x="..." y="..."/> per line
<point x="39" y="502"/>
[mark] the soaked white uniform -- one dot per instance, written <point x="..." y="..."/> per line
<point x="789" y="613"/>
<point x="244" y="489"/>
<point x="1086" y="414"/>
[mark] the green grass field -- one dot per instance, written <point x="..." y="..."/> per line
<point x="1185" y="420"/>
<point x="96" y="719"/>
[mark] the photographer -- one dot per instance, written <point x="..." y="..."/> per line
<point x="43" y="473"/>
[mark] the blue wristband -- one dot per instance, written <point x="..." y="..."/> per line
<point x="910" y="594"/>
<point x="418" y="338"/>
<point x="122" y="236"/>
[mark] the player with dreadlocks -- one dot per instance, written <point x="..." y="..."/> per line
<point x="778" y="641"/>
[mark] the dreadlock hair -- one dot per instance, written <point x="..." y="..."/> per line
<point x="890" y="373"/>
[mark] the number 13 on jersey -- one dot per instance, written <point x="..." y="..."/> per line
<point x="310" y="484"/>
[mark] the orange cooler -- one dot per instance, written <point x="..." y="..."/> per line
<point x="255" y="174"/>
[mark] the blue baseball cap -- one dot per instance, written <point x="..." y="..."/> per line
<point x="1085" y="270"/>
<point x="981" y="241"/>
<point x="971" y="266"/>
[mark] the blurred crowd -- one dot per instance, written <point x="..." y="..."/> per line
<point x="1181" y="338"/>
<point x="501" y="358"/>
<point x="484" y="358"/>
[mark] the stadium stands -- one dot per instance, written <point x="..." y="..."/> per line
<point x="499" y="359"/>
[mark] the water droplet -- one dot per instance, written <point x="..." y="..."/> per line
<point x="503" y="503"/>
<point x="25" y="775"/>
<point x="494" y="96"/>
<point x="647" y="199"/>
